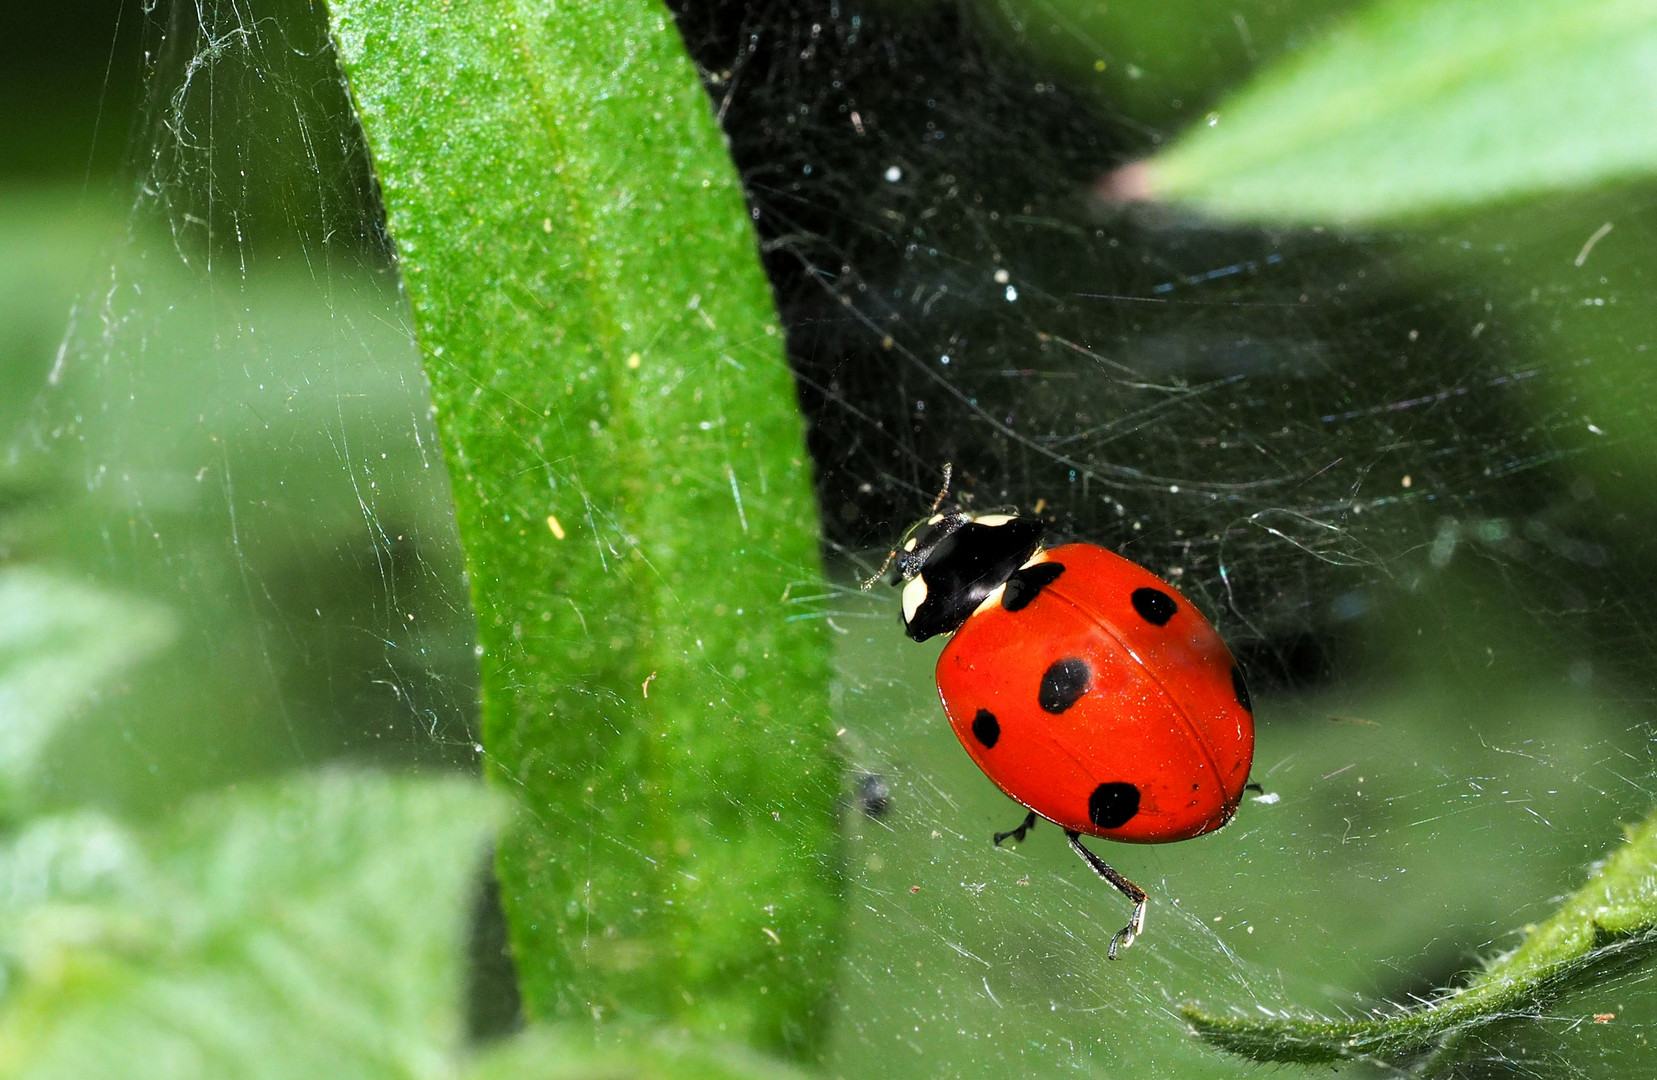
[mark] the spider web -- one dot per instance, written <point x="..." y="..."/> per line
<point x="1401" y="471"/>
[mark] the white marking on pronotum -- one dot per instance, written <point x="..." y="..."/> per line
<point x="737" y="495"/>
<point x="914" y="595"/>
<point x="992" y="519"/>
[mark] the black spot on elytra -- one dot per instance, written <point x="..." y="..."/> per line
<point x="986" y="729"/>
<point x="1241" y="689"/>
<point x="1026" y="584"/>
<point x="1063" y="684"/>
<point x="1154" y="606"/>
<point x="1113" y="805"/>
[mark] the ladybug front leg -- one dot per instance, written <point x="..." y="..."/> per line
<point x="1136" y="925"/>
<point x="1018" y="833"/>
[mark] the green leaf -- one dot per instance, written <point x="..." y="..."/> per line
<point x="308" y="930"/>
<point x="634" y="500"/>
<point x="1423" y="106"/>
<point x="60" y="644"/>
<point x="1616" y="911"/>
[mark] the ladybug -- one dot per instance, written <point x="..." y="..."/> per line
<point x="1086" y="687"/>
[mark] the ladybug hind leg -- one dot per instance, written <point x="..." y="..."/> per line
<point x="1018" y="833"/>
<point x="1136" y="925"/>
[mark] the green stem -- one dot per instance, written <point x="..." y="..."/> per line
<point x="1614" y="914"/>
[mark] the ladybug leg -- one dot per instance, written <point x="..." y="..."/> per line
<point x="1136" y="925"/>
<point x="1018" y="833"/>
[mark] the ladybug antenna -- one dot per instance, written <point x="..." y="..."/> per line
<point x="943" y="493"/>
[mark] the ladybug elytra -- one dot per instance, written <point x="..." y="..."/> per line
<point x="1086" y="687"/>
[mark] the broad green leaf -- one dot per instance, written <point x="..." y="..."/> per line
<point x="1616" y="911"/>
<point x="555" y="1053"/>
<point x="633" y="496"/>
<point x="309" y="930"/>
<point x="60" y="643"/>
<point x="1423" y="106"/>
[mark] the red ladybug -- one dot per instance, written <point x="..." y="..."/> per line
<point x="1084" y="685"/>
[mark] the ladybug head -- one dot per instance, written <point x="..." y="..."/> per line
<point x="954" y="561"/>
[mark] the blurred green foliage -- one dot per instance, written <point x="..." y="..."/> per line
<point x="1420" y="107"/>
<point x="71" y="81"/>
<point x="1162" y="65"/>
<point x="52" y="238"/>
<point x="310" y="929"/>
<point x="623" y="1053"/>
<point x="269" y="489"/>
<point x="60" y="641"/>
<point x="243" y="585"/>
